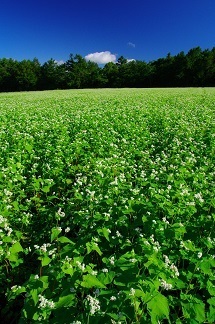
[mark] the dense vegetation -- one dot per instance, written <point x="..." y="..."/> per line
<point x="107" y="206"/>
<point x="196" y="68"/>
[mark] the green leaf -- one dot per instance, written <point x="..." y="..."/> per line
<point x="13" y="256"/>
<point x="18" y="234"/>
<point x="64" y="239"/>
<point x="67" y="270"/>
<point x="19" y="165"/>
<point x="211" y="301"/>
<point x="34" y="294"/>
<point x="36" y="184"/>
<point x="106" y="233"/>
<point x="158" y="307"/>
<point x="179" y="230"/>
<point x="193" y="308"/>
<point x="15" y="205"/>
<point x="124" y="262"/>
<point x="55" y="233"/>
<point x="7" y="239"/>
<point x="92" y="246"/>
<point x="210" y="288"/>
<point x="199" y="309"/>
<point x="205" y="267"/>
<point x="211" y="314"/>
<point x="46" y="189"/>
<point x="66" y="301"/>
<point x="68" y="181"/>
<point x="29" y="147"/>
<point x="45" y="261"/>
<point x="45" y="281"/>
<point x="106" y="278"/>
<point x="139" y="293"/>
<point x="16" y="248"/>
<point x="90" y="281"/>
<point x="189" y="246"/>
<point x="122" y="278"/>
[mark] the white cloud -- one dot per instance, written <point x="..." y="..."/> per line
<point x="131" y="44"/>
<point x="59" y="62"/>
<point x="131" y="60"/>
<point x="101" y="57"/>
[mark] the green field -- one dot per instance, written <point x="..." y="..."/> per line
<point x="107" y="206"/>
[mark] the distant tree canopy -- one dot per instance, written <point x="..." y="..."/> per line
<point x="196" y="68"/>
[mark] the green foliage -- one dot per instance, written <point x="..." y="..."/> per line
<point x="107" y="206"/>
<point x="196" y="68"/>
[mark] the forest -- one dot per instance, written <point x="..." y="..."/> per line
<point x="196" y="68"/>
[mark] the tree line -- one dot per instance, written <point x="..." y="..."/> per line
<point x="194" y="69"/>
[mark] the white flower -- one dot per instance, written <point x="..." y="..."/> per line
<point x="132" y="292"/>
<point x="155" y="248"/>
<point x="15" y="288"/>
<point x="8" y="193"/>
<point x="167" y="260"/>
<point x="199" y="196"/>
<point x="94" y="273"/>
<point x="43" y="248"/>
<point x="2" y="219"/>
<point x="113" y="298"/>
<point x="67" y="230"/>
<point x="165" y="220"/>
<point x="175" y="270"/>
<point x="165" y="285"/>
<point x="60" y="213"/>
<point x="118" y="234"/>
<point x="8" y="229"/>
<point x="112" y="260"/>
<point x="105" y="270"/>
<point x="132" y="260"/>
<point x="80" y="266"/>
<point x="146" y="243"/>
<point x="94" y="304"/>
<point x="191" y="203"/>
<point x="184" y="192"/>
<point x="199" y="255"/>
<point x="45" y="303"/>
<point x="51" y="252"/>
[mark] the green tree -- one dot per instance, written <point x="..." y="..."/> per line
<point x="195" y="67"/>
<point x="52" y="75"/>
<point x="121" y="60"/>
<point x="110" y="72"/>
<point x="27" y="75"/>
<point x="95" y="78"/>
<point x="8" y="74"/>
<point x="76" y="68"/>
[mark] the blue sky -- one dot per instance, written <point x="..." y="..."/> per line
<point x="137" y="29"/>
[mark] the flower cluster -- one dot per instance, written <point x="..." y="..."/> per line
<point x="45" y="303"/>
<point x="171" y="266"/>
<point x="80" y="265"/>
<point x="165" y="285"/>
<point x="94" y="304"/>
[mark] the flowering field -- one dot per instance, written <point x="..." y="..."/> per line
<point x="107" y="206"/>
